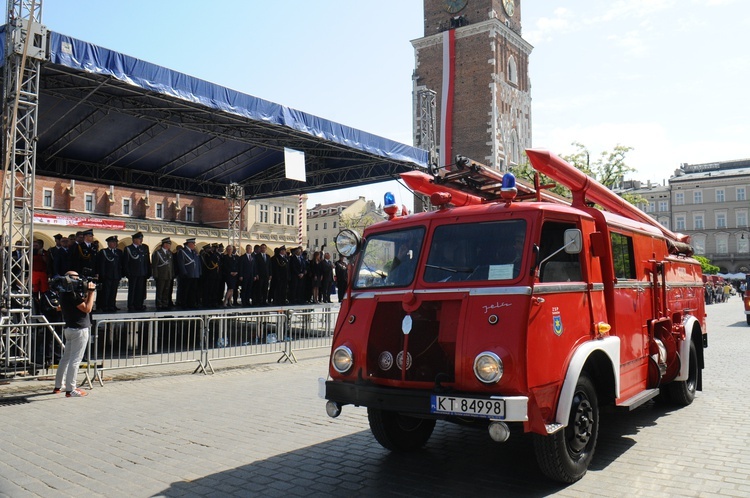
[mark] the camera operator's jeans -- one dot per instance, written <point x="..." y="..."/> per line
<point x="75" y="345"/>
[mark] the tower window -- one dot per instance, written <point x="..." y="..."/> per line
<point x="512" y="70"/>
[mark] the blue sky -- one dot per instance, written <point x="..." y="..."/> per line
<point x="668" y="78"/>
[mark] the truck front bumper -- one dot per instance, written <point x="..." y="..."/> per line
<point x="419" y="402"/>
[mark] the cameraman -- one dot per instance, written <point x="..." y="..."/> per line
<point x="76" y="302"/>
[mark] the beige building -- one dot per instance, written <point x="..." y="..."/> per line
<point x="710" y="203"/>
<point x="325" y="221"/>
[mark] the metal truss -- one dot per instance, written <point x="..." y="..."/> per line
<point x="25" y="49"/>
<point x="235" y="198"/>
<point x="426" y="136"/>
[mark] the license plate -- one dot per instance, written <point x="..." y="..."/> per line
<point x="473" y="407"/>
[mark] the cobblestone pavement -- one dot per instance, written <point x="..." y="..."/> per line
<point x="262" y="431"/>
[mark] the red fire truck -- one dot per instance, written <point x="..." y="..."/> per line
<point x="515" y="316"/>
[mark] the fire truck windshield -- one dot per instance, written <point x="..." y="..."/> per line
<point x="476" y="251"/>
<point x="389" y="259"/>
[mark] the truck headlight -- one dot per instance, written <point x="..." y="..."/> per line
<point x="342" y="359"/>
<point x="488" y="367"/>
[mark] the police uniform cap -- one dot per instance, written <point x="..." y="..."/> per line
<point x="166" y="241"/>
<point x="190" y="241"/>
<point x="88" y="232"/>
<point x="282" y="248"/>
<point x="138" y="235"/>
<point x="112" y="238"/>
<point x="57" y="236"/>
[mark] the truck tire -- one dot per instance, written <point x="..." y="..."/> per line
<point x="682" y="392"/>
<point x="747" y="317"/>
<point x="565" y="455"/>
<point x="398" y="432"/>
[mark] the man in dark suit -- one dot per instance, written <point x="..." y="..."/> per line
<point x="297" y="277"/>
<point x="62" y="257"/>
<point x="83" y="255"/>
<point x="247" y="275"/>
<point x="262" y="269"/>
<point x="137" y="268"/>
<point x="109" y="269"/>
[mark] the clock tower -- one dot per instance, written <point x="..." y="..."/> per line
<point x="473" y="58"/>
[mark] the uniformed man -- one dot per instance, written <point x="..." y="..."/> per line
<point x="210" y="276"/>
<point x="262" y="272"/>
<point x="188" y="274"/>
<point x="109" y="269"/>
<point x="136" y="268"/>
<point x="83" y="254"/>
<point x="162" y="268"/>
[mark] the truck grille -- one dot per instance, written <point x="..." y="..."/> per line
<point x="431" y="345"/>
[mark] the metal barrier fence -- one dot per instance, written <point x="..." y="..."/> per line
<point x="120" y="341"/>
<point x="30" y="350"/>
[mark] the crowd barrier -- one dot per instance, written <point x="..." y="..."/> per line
<point x="137" y="340"/>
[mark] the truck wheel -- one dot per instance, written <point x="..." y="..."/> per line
<point x="565" y="455"/>
<point x="682" y="392"/>
<point x="747" y="317"/>
<point x="398" y="432"/>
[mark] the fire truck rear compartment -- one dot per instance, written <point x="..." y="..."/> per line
<point x="431" y="342"/>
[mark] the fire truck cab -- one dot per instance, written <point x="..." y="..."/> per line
<point x="526" y="316"/>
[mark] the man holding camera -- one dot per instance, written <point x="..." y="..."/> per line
<point x="76" y="302"/>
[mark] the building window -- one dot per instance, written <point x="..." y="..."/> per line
<point x="316" y="244"/>
<point x="325" y="225"/>
<point x="740" y="193"/>
<point x="126" y="207"/>
<point x="722" y="243"/>
<point x="663" y="206"/>
<point x="741" y="217"/>
<point x="325" y="241"/>
<point x="651" y="207"/>
<point x="697" y="222"/>
<point x="679" y="198"/>
<point x="679" y="223"/>
<point x="277" y="215"/>
<point x="743" y="245"/>
<point x="720" y="195"/>
<point x="316" y="229"/>
<point x="263" y="213"/>
<point x="88" y="204"/>
<point x="334" y="224"/>
<point x="698" y="242"/>
<point x="47" y="198"/>
<point x="665" y="223"/>
<point x="290" y="216"/>
<point x="159" y="210"/>
<point x="189" y="213"/>
<point x="721" y="220"/>
<point x="698" y="197"/>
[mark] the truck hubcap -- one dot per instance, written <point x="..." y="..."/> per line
<point x="583" y="421"/>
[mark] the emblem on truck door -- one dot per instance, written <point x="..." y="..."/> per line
<point x="557" y="325"/>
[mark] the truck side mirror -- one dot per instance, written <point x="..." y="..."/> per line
<point x="573" y="241"/>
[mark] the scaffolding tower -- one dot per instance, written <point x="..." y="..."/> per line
<point x="426" y="137"/>
<point x="25" y="50"/>
<point x="235" y="198"/>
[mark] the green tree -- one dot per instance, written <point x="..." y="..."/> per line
<point x="706" y="266"/>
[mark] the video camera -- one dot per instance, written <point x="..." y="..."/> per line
<point x="67" y="283"/>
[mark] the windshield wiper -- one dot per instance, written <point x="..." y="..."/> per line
<point x="379" y="273"/>
<point x="451" y="269"/>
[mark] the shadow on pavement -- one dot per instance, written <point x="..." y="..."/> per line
<point x="457" y="461"/>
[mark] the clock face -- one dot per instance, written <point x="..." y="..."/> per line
<point x="455" y="6"/>
<point x="509" y="7"/>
